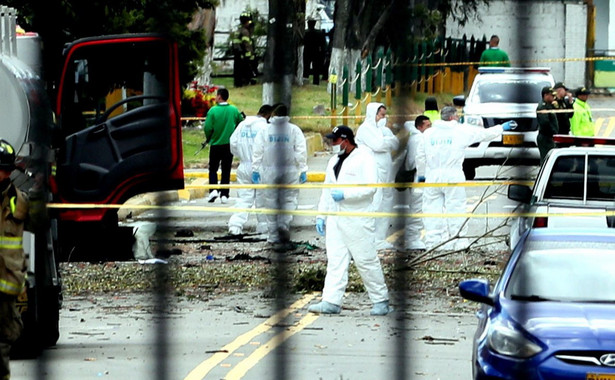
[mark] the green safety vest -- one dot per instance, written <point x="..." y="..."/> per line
<point x="581" y="123"/>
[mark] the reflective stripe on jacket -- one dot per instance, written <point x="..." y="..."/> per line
<point x="12" y="258"/>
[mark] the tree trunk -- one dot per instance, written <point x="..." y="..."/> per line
<point x="205" y="20"/>
<point x="283" y="39"/>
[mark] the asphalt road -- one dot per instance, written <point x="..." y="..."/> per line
<point x="241" y="337"/>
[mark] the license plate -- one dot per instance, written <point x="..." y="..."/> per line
<point x="512" y="139"/>
<point x="599" y="376"/>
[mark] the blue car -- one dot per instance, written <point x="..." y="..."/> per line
<point x="551" y="314"/>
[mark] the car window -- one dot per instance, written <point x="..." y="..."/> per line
<point x="573" y="274"/>
<point x="567" y="179"/>
<point x="601" y="178"/>
<point x="512" y="91"/>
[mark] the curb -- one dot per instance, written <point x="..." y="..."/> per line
<point x="314" y="144"/>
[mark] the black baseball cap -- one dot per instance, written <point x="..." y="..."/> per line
<point x="560" y="85"/>
<point x="583" y="91"/>
<point x="343" y="132"/>
<point x="547" y="90"/>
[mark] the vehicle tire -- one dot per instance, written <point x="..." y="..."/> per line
<point x="469" y="170"/>
<point x="41" y="309"/>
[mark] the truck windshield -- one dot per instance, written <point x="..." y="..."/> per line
<point x="511" y="91"/>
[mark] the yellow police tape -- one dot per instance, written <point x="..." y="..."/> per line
<point x="376" y="185"/>
<point x="328" y="213"/>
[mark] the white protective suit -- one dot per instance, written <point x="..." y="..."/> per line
<point x="349" y="237"/>
<point x="414" y="226"/>
<point x="381" y="142"/>
<point x="442" y="152"/>
<point x="242" y="142"/>
<point x="280" y="156"/>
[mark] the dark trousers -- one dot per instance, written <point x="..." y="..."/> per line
<point x="312" y="64"/>
<point x="220" y="157"/>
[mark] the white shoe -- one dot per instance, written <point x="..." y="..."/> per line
<point x="234" y="230"/>
<point x="212" y="196"/>
<point x="383" y="244"/>
<point x="224" y="199"/>
<point x="415" y="245"/>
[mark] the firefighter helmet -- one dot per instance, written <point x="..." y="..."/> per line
<point x="7" y="156"/>
<point x="245" y="16"/>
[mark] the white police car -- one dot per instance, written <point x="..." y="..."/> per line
<point x="500" y="94"/>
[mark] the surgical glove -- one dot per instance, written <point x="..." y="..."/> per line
<point x="509" y="125"/>
<point x="421" y="178"/>
<point x="337" y="195"/>
<point x="320" y="226"/>
<point x="303" y="177"/>
<point x="256" y="177"/>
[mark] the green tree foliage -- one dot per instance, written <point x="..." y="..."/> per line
<point x="61" y="21"/>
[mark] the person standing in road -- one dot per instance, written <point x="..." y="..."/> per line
<point x="564" y="103"/>
<point x="280" y="157"/>
<point x="441" y="152"/>
<point x="374" y="135"/>
<point x="242" y="142"/>
<point x="494" y="56"/>
<point x="431" y="109"/>
<point x="243" y="51"/>
<point x="220" y="123"/>
<point x="547" y="123"/>
<point x="581" y="123"/>
<point x="18" y="213"/>
<point x="349" y="238"/>
<point x="414" y="226"/>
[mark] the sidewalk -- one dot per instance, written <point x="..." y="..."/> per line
<point x="317" y="164"/>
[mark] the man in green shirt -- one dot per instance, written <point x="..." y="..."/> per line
<point x="581" y="123"/>
<point x="494" y="56"/>
<point x="220" y="123"/>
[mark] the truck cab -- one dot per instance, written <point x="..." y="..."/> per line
<point x="113" y="132"/>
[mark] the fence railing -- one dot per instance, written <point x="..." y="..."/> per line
<point x="431" y="67"/>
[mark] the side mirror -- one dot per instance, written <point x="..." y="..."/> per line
<point x="476" y="290"/>
<point x="459" y="101"/>
<point x="520" y="193"/>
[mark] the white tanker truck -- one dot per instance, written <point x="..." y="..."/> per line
<point x="110" y="131"/>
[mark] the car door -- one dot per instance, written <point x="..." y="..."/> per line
<point x="118" y="108"/>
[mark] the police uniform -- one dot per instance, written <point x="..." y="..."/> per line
<point x="582" y="123"/>
<point x="563" y="118"/>
<point x="547" y="126"/>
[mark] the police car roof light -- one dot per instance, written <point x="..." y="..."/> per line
<point x="568" y="140"/>
<point x="512" y="70"/>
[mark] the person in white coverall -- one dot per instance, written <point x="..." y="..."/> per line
<point x="279" y="157"/>
<point x="242" y="142"/>
<point x="442" y="152"/>
<point x="414" y="226"/>
<point x="374" y="135"/>
<point x="349" y="237"/>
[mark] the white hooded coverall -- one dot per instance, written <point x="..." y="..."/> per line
<point x="242" y="142"/>
<point x="381" y="142"/>
<point x="280" y="156"/>
<point x="349" y="237"/>
<point x="414" y="226"/>
<point x="442" y="152"/>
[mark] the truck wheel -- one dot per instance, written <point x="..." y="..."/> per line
<point x="469" y="170"/>
<point x="40" y="305"/>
